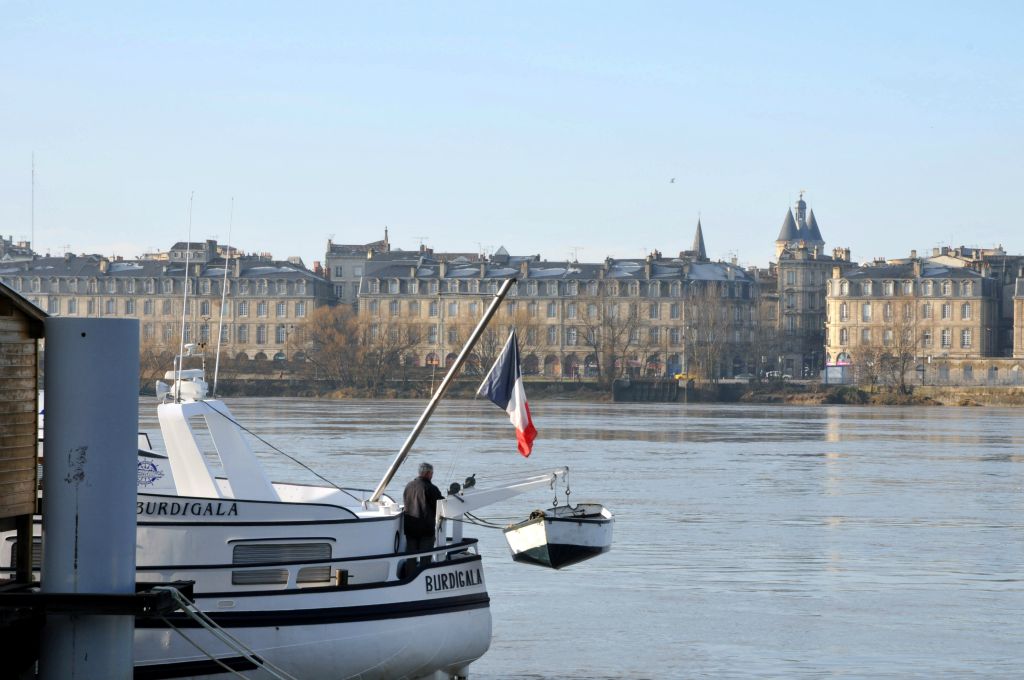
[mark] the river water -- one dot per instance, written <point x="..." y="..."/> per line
<point x="750" y="541"/>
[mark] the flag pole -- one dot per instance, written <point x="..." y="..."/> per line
<point x="442" y="388"/>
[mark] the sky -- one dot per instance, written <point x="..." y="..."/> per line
<point x="549" y="128"/>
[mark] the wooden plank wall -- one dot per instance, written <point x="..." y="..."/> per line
<point x="18" y="413"/>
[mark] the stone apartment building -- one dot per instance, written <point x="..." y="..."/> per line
<point x="567" y="313"/>
<point x="267" y="300"/>
<point x="1018" y="319"/>
<point x="345" y="265"/>
<point x="945" y="316"/>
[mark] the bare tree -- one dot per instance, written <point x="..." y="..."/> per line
<point x="869" y="362"/>
<point x="611" y="329"/>
<point x="381" y="353"/>
<point x="708" y="327"/>
<point x="899" y="346"/>
<point x="156" y="357"/>
<point x="330" y="340"/>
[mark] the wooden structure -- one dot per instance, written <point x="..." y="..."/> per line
<point x="21" y="328"/>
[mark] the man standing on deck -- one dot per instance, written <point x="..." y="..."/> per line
<point x="420" y="499"/>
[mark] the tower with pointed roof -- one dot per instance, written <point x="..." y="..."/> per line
<point x="801" y="270"/>
<point x="700" y="253"/>
<point x="799" y="229"/>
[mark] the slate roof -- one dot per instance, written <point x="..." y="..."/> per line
<point x="789" y="231"/>
<point x="929" y="270"/>
<point x="357" y="248"/>
<point x="89" y="266"/>
<point x="612" y="269"/>
<point x="813" y="233"/>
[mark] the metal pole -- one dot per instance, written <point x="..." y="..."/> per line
<point x="442" y="388"/>
<point x="89" y="491"/>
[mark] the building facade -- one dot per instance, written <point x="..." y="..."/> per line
<point x="941" y="317"/>
<point x="266" y="300"/>
<point x="652" y="316"/>
<point x="345" y="265"/>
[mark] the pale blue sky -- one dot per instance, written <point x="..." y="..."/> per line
<point x="546" y="127"/>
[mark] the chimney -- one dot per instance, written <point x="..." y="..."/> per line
<point x="412" y="271"/>
<point x="917" y="268"/>
<point x="837" y="272"/>
<point x="483" y="269"/>
<point x="442" y="268"/>
<point x="524" y="269"/>
<point x="237" y="266"/>
<point x="913" y="254"/>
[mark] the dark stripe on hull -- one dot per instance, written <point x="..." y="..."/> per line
<point x="310" y="617"/>
<point x="184" y="669"/>
<point x="557" y="555"/>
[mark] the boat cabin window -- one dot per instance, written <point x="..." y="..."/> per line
<point x="261" y="553"/>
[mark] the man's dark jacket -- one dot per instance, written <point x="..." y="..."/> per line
<point x="420" y="498"/>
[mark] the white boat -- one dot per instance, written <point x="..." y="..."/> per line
<point x="561" y="536"/>
<point x="310" y="579"/>
<point x="301" y="581"/>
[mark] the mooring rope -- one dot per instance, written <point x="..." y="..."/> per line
<point x="233" y="643"/>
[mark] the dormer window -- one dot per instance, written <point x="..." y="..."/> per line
<point x="844" y="287"/>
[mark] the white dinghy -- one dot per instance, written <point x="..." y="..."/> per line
<point x="562" y="535"/>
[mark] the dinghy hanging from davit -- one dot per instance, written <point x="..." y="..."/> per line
<point x="561" y="536"/>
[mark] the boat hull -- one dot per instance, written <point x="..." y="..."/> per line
<point x="438" y="621"/>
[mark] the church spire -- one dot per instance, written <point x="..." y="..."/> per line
<point x="698" y="244"/>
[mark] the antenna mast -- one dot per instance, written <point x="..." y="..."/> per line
<point x="33" y="218"/>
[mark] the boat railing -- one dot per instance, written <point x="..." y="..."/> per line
<point x="362" y="570"/>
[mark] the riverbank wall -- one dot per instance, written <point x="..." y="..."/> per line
<point x="643" y="391"/>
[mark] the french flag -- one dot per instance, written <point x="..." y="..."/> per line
<point x="504" y="386"/>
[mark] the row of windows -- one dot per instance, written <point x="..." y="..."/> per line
<point x="243" y="333"/>
<point x="551" y="335"/>
<point x="927" y="337"/>
<point x="927" y="311"/>
<point x="129" y="307"/>
<point x="551" y="288"/>
<point x="928" y="288"/>
<point x="112" y="286"/>
<point x="815" y="277"/>
<point x="550" y="310"/>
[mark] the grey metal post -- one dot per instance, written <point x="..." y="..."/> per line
<point x="89" y="491"/>
<point x="477" y="332"/>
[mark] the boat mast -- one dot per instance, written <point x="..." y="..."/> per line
<point x="442" y="388"/>
<point x="184" y="305"/>
<point x="223" y="296"/>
